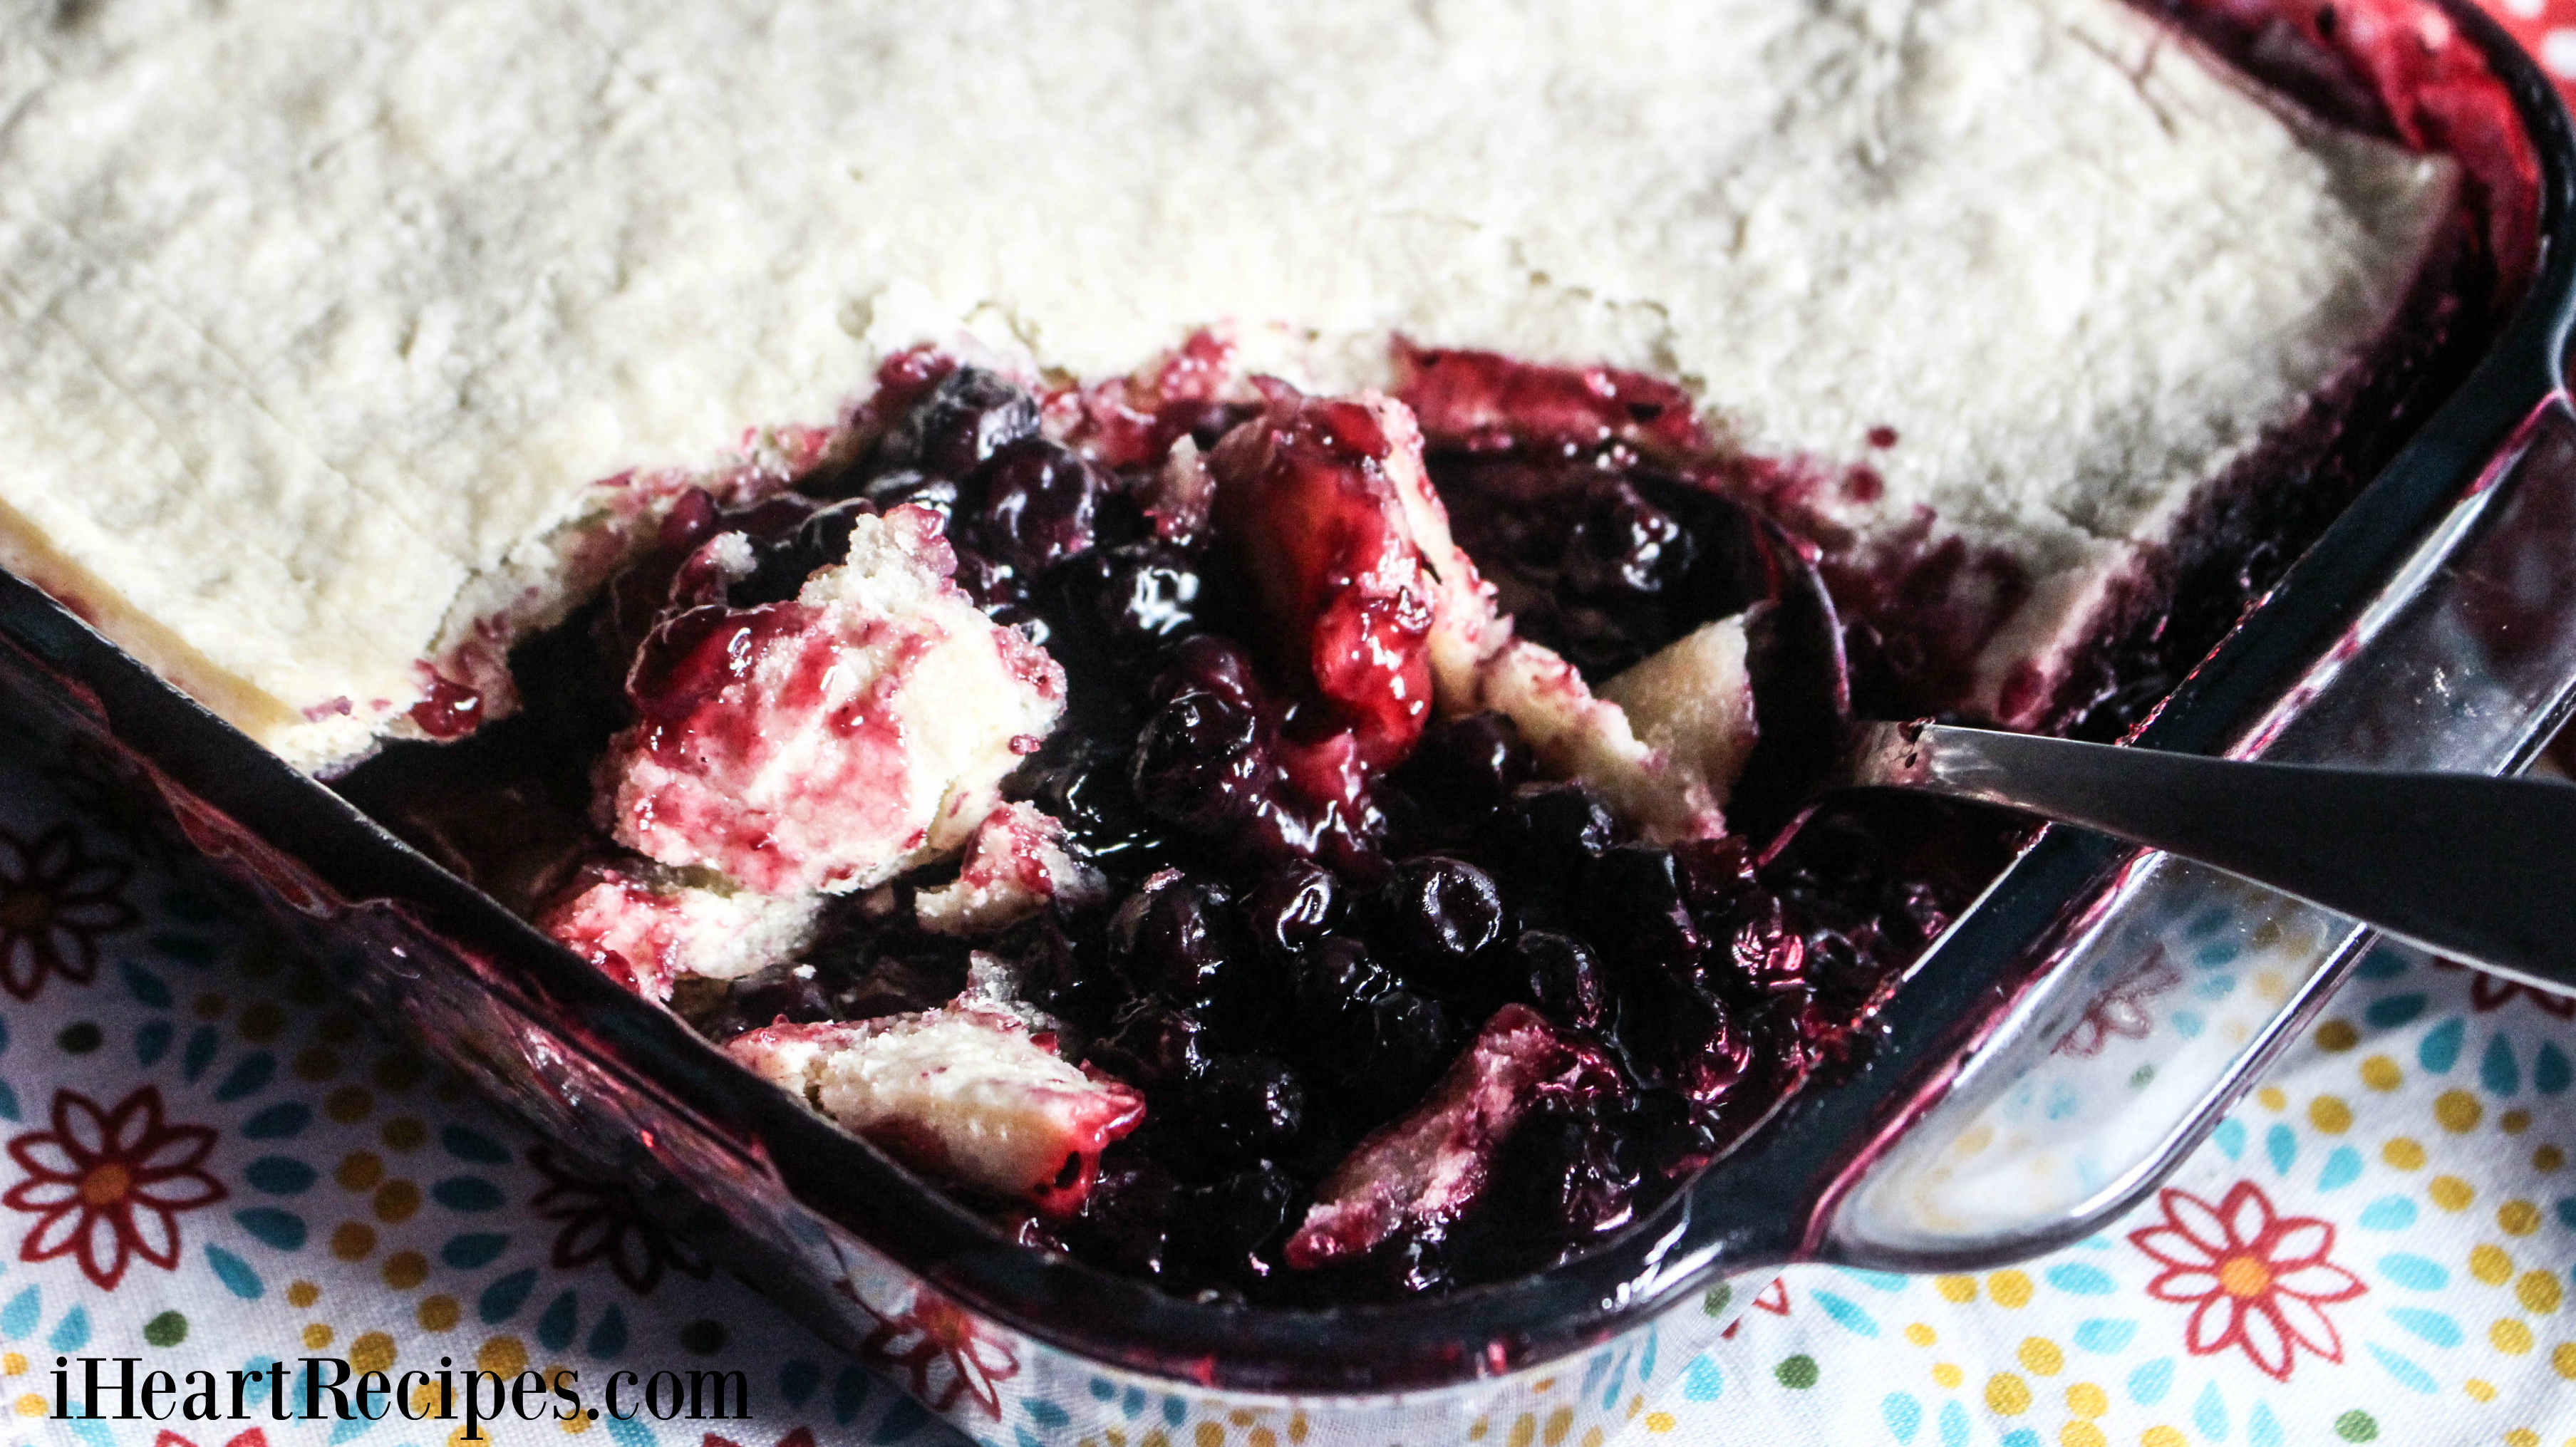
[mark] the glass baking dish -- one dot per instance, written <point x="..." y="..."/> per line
<point x="2051" y="1057"/>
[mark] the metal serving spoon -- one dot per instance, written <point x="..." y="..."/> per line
<point x="2481" y="869"/>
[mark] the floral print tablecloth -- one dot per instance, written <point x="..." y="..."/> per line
<point x="212" y="1163"/>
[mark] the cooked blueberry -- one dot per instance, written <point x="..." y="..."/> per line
<point x="1672" y="1136"/>
<point x="826" y="535"/>
<point x="1560" y="1180"/>
<point x="1396" y="1045"/>
<point x="989" y="582"/>
<point x="1291" y="908"/>
<point x="898" y="985"/>
<point x="1199" y="762"/>
<point x="1209" y="664"/>
<point x="1154" y="1045"/>
<point x="1464" y="767"/>
<point x="820" y="540"/>
<point x="1623" y="544"/>
<point x="1563" y="977"/>
<point x="835" y="481"/>
<point x="1554" y="826"/>
<point x="967" y="417"/>
<point x="1244" y="1106"/>
<point x="775" y="994"/>
<point x="905" y="485"/>
<point x="1685" y="1039"/>
<point x="1142" y="595"/>
<point x="1173" y="938"/>
<point x="1332" y="979"/>
<point x="771" y="520"/>
<point x="1039" y="503"/>
<point x="1234" y="1217"/>
<point x="1637" y="908"/>
<point x="1440" y="908"/>
<point x="1127" y="1220"/>
<point x="1767" y="953"/>
<point x="1081" y="781"/>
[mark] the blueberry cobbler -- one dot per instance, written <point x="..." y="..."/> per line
<point x="1312" y="816"/>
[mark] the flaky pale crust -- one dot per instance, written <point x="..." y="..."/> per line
<point x="319" y="323"/>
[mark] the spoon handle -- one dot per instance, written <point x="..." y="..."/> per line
<point x="2478" y="868"/>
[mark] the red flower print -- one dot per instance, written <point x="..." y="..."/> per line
<point x="936" y="1343"/>
<point x="255" y="1437"/>
<point x="2121" y="1010"/>
<point x="110" y="1186"/>
<point x="2494" y="992"/>
<point x="55" y="901"/>
<point x="2256" y="1280"/>
<point x="1774" y="1299"/>
<point x="603" y="1222"/>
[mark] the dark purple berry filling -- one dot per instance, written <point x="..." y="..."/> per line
<point x="1300" y="935"/>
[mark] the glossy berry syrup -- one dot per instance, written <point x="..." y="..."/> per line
<point x="1341" y="935"/>
<point x="1319" y="894"/>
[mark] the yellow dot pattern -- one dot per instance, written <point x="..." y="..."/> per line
<point x="2163" y="1436"/>
<point x="2518" y="1218"/>
<point x="2081" y="1434"/>
<point x="405" y="1270"/>
<point x="2548" y="1159"/>
<point x="349" y="1104"/>
<point x="2451" y="1193"/>
<point x="2458" y="1111"/>
<point x="2563" y="1358"/>
<point x="2329" y="1114"/>
<point x="1921" y="1335"/>
<point x="2381" y="1073"/>
<point x="2479" y="1389"/>
<point x="1956" y="1288"/>
<point x="502" y="1356"/>
<point x="316" y="1337"/>
<point x="2538" y="1291"/>
<point x="371" y="1352"/>
<point x="2270" y="1097"/>
<point x="1948" y="1375"/>
<point x="2010" y="1289"/>
<point x="2509" y="1336"/>
<point x="2522" y="1437"/>
<point x="2007" y="1394"/>
<point x="2404" y="1153"/>
<point x="2087" y="1399"/>
<point x="2041" y="1357"/>
<point x="302" y="1294"/>
<point x="2514" y="1122"/>
<point x="31" y="1405"/>
<point x="2491" y="1265"/>
<point x="2337" y="1035"/>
